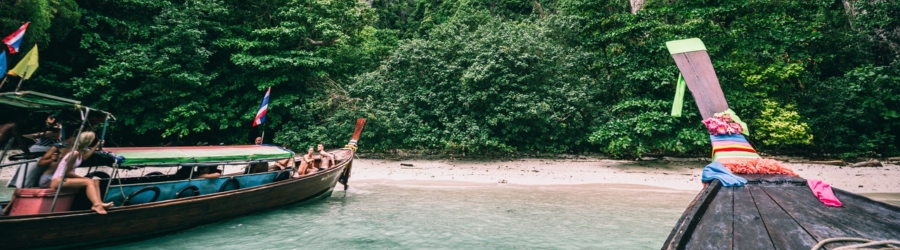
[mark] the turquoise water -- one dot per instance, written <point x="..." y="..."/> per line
<point x="446" y="215"/>
<point x="379" y="216"/>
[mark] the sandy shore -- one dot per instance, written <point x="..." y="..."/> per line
<point x="672" y="175"/>
<point x="678" y="175"/>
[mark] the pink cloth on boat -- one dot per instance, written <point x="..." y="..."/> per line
<point x="823" y="191"/>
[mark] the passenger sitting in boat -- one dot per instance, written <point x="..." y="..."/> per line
<point x="46" y="138"/>
<point x="327" y="159"/>
<point x="51" y="157"/>
<point x="306" y="163"/>
<point x="207" y="172"/>
<point x="66" y="168"/>
<point x="282" y="164"/>
<point x="202" y="172"/>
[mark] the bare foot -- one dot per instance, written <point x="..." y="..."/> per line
<point x="99" y="209"/>
<point x="107" y="205"/>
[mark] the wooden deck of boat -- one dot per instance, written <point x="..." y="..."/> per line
<point x="778" y="212"/>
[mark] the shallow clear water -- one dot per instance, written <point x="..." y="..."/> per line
<point x="449" y="216"/>
<point x="378" y="216"/>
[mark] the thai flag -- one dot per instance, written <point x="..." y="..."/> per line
<point x="15" y="39"/>
<point x="261" y="114"/>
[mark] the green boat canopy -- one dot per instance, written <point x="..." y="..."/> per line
<point x="35" y="100"/>
<point x="176" y="156"/>
<point x="40" y="101"/>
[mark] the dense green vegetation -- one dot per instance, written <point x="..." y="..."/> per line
<point x="811" y="77"/>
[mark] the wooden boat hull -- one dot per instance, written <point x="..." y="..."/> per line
<point x="778" y="212"/>
<point x="85" y="228"/>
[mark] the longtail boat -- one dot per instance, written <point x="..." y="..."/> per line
<point x="769" y="211"/>
<point x="157" y="203"/>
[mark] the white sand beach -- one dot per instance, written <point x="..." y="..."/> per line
<point x="680" y="175"/>
<point x="673" y="174"/>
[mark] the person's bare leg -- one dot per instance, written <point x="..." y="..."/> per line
<point x="302" y="169"/>
<point x="90" y="188"/>
<point x="97" y="190"/>
<point x="209" y="175"/>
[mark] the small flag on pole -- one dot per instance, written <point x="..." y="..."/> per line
<point x="15" y="39"/>
<point x="261" y="114"/>
<point x="27" y="65"/>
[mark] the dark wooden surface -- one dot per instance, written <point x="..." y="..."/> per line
<point x="749" y="230"/>
<point x="84" y="228"/>
<point x="779" y="212"/>
<point x="783" y="231"/>
<point x="715" y="229"/>
<point x="700" y="77"/>
<point x="688" y="222"/>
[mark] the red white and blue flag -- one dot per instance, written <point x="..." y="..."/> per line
<point x="15" y="39"/>
<point x="261" y="114"/>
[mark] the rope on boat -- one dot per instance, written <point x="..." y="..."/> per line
<point x="122" y="189"/>
<point x="867" y="243"/>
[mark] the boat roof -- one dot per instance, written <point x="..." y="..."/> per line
<point x="40" y="101"/>
<point x="180" y="156"/>
<point x="778" y="212"/>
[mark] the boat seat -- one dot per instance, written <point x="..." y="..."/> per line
<point x="38" y="200"/>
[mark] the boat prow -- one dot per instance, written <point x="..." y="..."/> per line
<point x="770" y="211"/>
<point x="778" y="212"/>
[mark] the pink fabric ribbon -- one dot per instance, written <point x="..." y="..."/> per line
<point x="823" y="191"/>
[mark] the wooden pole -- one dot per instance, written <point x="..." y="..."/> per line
<point x="103" y="134"/>
<point x="262" y="138"/>
<point x="4" y="81"/>
<point x="18" y="87"/>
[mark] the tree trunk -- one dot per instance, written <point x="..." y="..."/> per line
<point x="636" y="5"/>
<point x="537" y="6"/>
<point x="851" y="12"/>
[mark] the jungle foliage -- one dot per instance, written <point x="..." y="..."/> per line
<point x="475" y="76"/>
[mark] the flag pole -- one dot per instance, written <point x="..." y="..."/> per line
<point x="20" y="84"/>
<point x="4" y="80"/>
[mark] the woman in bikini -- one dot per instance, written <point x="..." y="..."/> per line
<point x="306" y="163"/>
<point x="66" y="166"/>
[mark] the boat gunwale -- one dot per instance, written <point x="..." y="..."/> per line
<point x="882" y="204"/>
<point x="689" y="219"/>
<point x="340" y="166"/>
